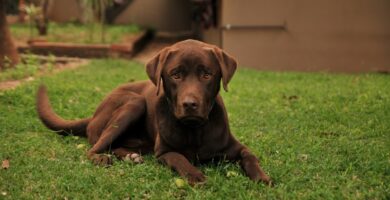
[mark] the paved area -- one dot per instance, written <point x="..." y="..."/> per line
<point x="151" y="50"/>
<point x="161" y="41"/>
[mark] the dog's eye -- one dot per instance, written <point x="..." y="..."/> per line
<point x="176" y="75"/>
<point x="206" y="75"/>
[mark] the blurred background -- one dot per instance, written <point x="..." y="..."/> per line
<point x="303" y="35"/>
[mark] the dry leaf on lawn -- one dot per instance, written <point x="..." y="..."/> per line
<point x="5" y="164"/>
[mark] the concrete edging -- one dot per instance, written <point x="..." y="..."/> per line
<point x="89" y="50"/>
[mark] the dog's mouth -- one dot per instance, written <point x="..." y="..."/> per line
<point x="192" y="121"/>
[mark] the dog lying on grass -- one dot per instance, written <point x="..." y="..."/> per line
<point x="178" y="114"/>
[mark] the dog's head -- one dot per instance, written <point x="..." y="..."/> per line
<point x="190" y="72"/>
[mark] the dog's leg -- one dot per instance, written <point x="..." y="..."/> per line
<point x="185" y="169"/>
<point x="248" y="161"/>
<point x="250" y="164"/>
<point x="121" y="119"/>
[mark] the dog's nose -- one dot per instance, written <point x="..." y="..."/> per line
<point x="190" y="104"/>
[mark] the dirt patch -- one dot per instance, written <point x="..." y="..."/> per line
<point x="61" y="64"/>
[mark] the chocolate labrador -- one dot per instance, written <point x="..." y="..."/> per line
<point x="179" y="115"/>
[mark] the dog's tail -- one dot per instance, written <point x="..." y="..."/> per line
<point x="55" y="122"/>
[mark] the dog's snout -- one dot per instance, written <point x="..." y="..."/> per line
<point x="190" y="104"/>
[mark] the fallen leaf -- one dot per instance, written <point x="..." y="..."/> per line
<point x="80" y="146"/>
<point x="292" y="97"/>
<point x="303" y="157"/>
<point x="30" y="78"/>
<point x="5" y="164"/>
<point x="4" y="193"/>
<point x="231" y="174"/>
<point x="180" y="182"/>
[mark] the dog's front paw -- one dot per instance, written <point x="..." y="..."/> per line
<point x="195" y="178"/>
<point x="134" y="157"/>
<point x="104" y="160"/>
<point x="263" y="178"/>
<point x="267" y="180"/>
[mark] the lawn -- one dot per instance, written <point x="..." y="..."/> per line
<point x="29" y="66"/>
<point x="318" y="135"/>
<point x="75" y="33"/>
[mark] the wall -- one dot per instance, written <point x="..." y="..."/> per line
<point x="305" y="35"/>
<point x="163" y="15"/>
<point x="64" y="11"/>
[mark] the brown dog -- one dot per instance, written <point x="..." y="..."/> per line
<point x="179" y="114"/>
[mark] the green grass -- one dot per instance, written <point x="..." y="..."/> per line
<point x="75" y="33"/>
<point x="319" y="136"/>
<point x="28" y="67"/>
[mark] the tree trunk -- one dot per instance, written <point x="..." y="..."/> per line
<point x="8" y="53"/>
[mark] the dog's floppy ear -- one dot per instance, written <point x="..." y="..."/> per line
<point x="155" y="66"/>
<point x="226" y="63"/>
